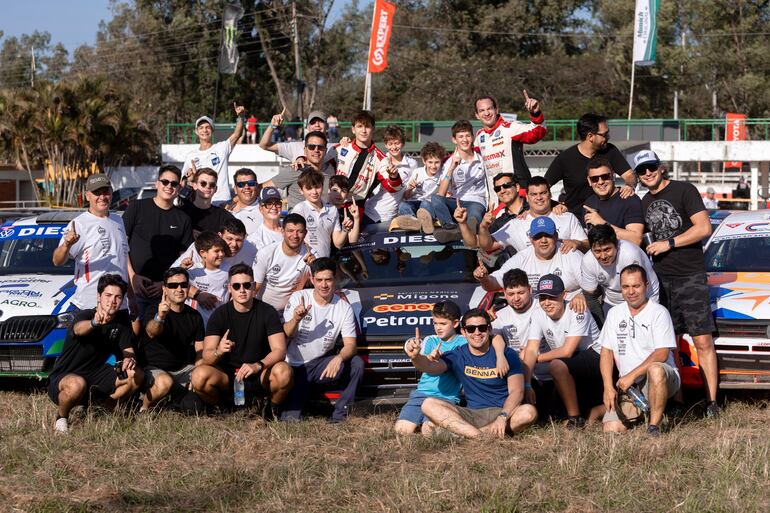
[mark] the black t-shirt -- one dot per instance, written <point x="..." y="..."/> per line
<point x="156" y="237"/>
<point x="86" y="353"/>
<point x="206" y="219"/>
<point x="667" y="214"/>
<point x="571" y="168"/>
<point x="616" y="210"/>
<point x="248" y="331"/>
<point x="175" y="346"/>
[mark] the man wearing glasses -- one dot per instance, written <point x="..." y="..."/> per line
<point x="96" y="240"/>
<point x="204" y="216"/>
<point x="678" y="220"/>
<point x="245" y="342"/>
<point x="172" y="339"/>
<point x="494" y="403"/>
<point x="607" y="206"/>
<point x="157" y="233"/>
<point x="246" y="208"/>
<point x="571" y="164"/>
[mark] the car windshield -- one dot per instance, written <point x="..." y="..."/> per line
<point x="431" y="263"/>
<point x="740" y="254"/>
<point x="30" y="255"/>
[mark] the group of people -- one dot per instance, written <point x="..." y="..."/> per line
<point x="213" y="294"/>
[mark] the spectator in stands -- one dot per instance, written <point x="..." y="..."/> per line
<point x="246" y="206"/>
<point x="571" y="165"/>
<point x="606" y="205"/>
<point x="252" y="130"/>
<point x="81" y="370"/>
<point x="638" y="337"/>
<point x="97" y="241"/>
<point x="215" y="156"/>
<point x="675" y="214"/>
<point x="383" y="205"/>
<point x="494" y="404"/>
<point x="172" y="339"/>
<point x="203" y="215"/>
<point x="710" y="201"/>
<point x="245" y="342"/>
<point x="315" y="319"/>
<point x="157" y="233"/>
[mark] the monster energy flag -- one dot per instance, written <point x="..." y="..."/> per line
<point x="228" y="55"/>
<point x="645" y="32"/>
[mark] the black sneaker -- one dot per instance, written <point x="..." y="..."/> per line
<point x="713" y="410"/>
<point x="576" y="422"/>
<point x="653" y="430"/>
<point x="269" y="411"/>
<point x="444" y="235"/>
<point x="676" y="410"/>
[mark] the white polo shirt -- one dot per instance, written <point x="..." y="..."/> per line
<point x="279" y="274"/>
<point x="321" y="225"/>
<point x="564" y="265"/>
<point x="250" y="216"/>
<point x="382" y="206"/>
<point x="571" y="324"/>
<point x="213" y="281"/>
<point x="593" y="274"/>
<point x="247" y="255"/>
<point x="515" y="233"/>
<point x="514" y="327"/>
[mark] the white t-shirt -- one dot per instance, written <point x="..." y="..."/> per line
<point x="426" y="185"/>
<point x="382" y="206"/>
<point x="317" y="332"/>
<point x="593" y="274"/>
<point x="469" y="181"/>
<point x="250" y="216"/>
<point x="279" y="274"/>
<point x="633" y="338"/>
<point x="564" y="265"/>
<point x="263" y="236"/>
<point x="247" y="255"/>
<point x="213" y="281"/>
<point x="515" y="232"/>
<point x="102" y="249"/>
<point x="321" y="224"/>
<point x="514" y="327"/>
<point x="571" y="324"/>
<point x="217" y="158"/>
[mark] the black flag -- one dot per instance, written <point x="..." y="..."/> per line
<point x="228" y="55"/>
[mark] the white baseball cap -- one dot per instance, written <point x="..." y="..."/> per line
<point x="204" y="119"/>
<point x="645" y="157"/>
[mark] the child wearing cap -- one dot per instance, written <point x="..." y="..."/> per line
<point x="270" y="204"/>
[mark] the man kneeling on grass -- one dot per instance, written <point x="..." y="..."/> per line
<point x="494" y="403"/>
<point x="96" y="334"/>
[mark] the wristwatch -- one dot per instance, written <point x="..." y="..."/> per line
<point x="503" y="415"/>
<point x="94" y="324"/>
<point x="671" y="243"/>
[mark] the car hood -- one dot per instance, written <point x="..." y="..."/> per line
<point x="740" y="295"/>
<point x="393" y="313"/>
<point x="24" y="295"/>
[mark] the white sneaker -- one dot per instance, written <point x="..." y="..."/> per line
<point x="61" y="426"/>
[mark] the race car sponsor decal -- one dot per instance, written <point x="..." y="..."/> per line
<point x="758" y="227"/>
<point x="409" y="307"/>
<point x="398" y="321"/>
<point x="23" y="232"/>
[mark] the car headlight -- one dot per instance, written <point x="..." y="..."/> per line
<point x="64" y="320"/>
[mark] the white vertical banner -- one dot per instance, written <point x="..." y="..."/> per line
<point x="645" y="32"/>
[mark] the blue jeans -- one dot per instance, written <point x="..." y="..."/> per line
<point x="444" y="207"/>
<point x="409" y="208"/>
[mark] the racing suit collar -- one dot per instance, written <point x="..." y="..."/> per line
<point x="495" y="126"/>
<point x="360" y="149"/>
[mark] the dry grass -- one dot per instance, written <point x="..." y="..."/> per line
<point x="166" y="462"/>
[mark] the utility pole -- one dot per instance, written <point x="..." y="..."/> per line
<point x="32" y="74"/>
<point x="297" y="69"/>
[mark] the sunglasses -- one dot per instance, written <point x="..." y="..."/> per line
<point x="271" y="205"/>
<point x="205" y="185"/>
<point x="176" y="285"/>
<point x="507" y="185"/>
<point x="471" y="328"/>
<point x="314" y="147"/>
<point x="643" y="170"/>
<point x="249" y="183"/>
<point x="603" y="177"/>
<point x="166" y="183"/>
<point x="237" y="285"/>
<point x="605" y="135"/>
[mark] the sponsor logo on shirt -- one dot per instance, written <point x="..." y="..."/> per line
<point x="482" y="138"/>
<point x="557" y="271"/>
<point x="214" y="159"/>
<point x="480" y="372"/>
<point x="343" y="152"/>
<point x="602" y="278"/>
<point x="496" y="134"/>
<point x="580" y="317"/>
<point x="495" y="155"/>
<point x="498" y="143"/>
<point x="623" y="326"/>
<point x="275" y="269"/>
<point x="549" y="333"/>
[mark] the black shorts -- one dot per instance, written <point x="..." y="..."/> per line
<point x="584" y="368"/>
<point x="100" y="382"/>
<point x="687" y="300"/>
<point x="253" y="386"/>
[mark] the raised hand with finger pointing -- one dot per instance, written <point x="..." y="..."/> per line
<point x="461" y="213"/>
<point x="301" y="311"/>
<point x="413" y="345"/>
<point x="531" y="104"/>
<point x="481" y="271"/>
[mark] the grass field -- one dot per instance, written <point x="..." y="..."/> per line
<point x="167" y="462"/>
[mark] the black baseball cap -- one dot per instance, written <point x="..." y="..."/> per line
<point x="549" y="285"/>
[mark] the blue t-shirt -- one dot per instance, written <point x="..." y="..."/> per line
<point x="444" y="386"/>
<point x="477" y="374"/>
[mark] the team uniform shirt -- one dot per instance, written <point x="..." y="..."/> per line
<point x="247" y="255"/>
<point x="478" y="375"/>
<point x="500" y="148"/>
<point x="174" y="347"/>
<point x="321" y="225"/>
<point x="217" y="158"/>
<point x="513" y="326"/>
<point x="515" y="233"/>
<point x="426" y="185"/>
<point x="571" y="324"/>
<point x="365" y="168"/>
<point x="468" y="181"/>
<point x="383" y="205"/>
<point x="102" y="249"/>
<point x="213" y="281"/>
<point x="250" y="216"/>
<point x="264" y="236"/>
<point x="317" y="332"/>
<point x="445" y="386"/>
<point x="279" y="274"/>
<point x="594" y="275"/>
<point x="634" y="338"/>
<point x="564" y="265"/>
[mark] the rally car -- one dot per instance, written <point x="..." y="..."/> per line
<point x="738" y="265"/>
<point x="34" y="294"/>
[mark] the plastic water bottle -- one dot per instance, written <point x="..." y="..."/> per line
<point x="239" y="394"/>
<point x="638" y="397"/>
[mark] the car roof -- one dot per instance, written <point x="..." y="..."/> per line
<point x="745" y="223"/>
<point x="41" y="216"/>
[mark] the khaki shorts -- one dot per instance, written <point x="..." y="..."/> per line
<point x="181" y="376"/>
<point x="478" y="418"/>
<point x="672" y="383"/>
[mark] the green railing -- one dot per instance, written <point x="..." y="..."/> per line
<point x="558" y="129"/>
